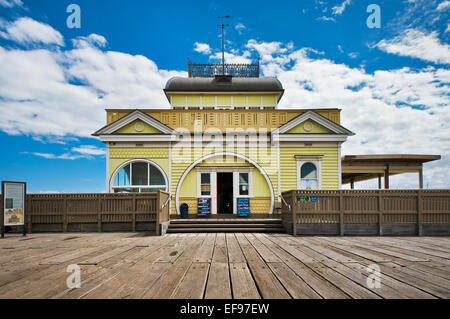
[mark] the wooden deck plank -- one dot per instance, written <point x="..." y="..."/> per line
<point x="323" y="287"/>
<point x="193" y="284"/>
<point x="218" y="265"/>
<point x="218" y="284"/>
<point x="235" y="254"/>
<point x="242" y="282"/>
<point x="266" y="281"/>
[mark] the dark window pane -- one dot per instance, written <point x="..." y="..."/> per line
<point x="309" y="171"/>
<point x="140" y="173"/>
<point x="156" y="178"/>
<point x="206" y="178"/>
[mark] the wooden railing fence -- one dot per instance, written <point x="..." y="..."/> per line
<point x="97" y="212"/>
<point x="367" y="212"/>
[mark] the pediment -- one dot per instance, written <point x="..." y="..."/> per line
<point x="136" y="122"/>
<point x="311" y="122"/>
<point x="138" y="127"/>
<point x="309" y="127"/>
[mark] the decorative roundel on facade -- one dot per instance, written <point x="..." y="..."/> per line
<point x="308" y="126"/>
<point x="139" y="126"/>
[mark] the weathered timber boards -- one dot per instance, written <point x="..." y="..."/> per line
<point x="223" y="266"/>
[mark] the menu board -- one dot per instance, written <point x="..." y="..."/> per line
<point x="204" y="207"/>
<point x="243" y="207"/>
<point x="14" y="203"/>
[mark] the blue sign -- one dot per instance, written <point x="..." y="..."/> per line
<point x="313" y="199"/>
<point x="204" y="207"/>
<point x="243" y="207"/>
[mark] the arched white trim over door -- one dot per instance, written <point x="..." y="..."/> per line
<point x="206" y="157"/>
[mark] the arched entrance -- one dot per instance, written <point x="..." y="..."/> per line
<point x="238" y="176"/>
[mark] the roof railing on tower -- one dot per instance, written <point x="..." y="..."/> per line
<point x="234" y="70"/>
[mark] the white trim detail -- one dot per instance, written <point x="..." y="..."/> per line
<point x="339" y="166"/>
<point x="316" y="160"/>
<point x="130" y="118"/>
<point x="203" y="158"/>
<point x="311" y="115"/>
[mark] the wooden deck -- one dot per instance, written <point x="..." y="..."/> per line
<point x="232" y="265"/>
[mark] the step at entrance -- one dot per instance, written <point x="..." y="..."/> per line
<point x="238" y="225"/>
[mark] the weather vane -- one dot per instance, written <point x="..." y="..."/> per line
<point x="223" y="25"/>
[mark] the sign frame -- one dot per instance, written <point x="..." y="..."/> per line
<point x="3" y="208"/>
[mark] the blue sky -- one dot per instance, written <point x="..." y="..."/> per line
<point x="392" y="83"/>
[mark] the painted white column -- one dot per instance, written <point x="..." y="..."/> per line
<point x="235" y="190"/>
<point x="213" y="180"/>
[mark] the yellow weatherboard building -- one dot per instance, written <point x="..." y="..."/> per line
<point x="223" y="142"/>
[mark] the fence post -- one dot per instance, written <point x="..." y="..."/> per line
<point x="29" y="220"/>
<point x="294" y="213"/>
<point x="133" y="216"/>
<point x="341" y="213"/>
<point x="65" y="214"/>
<point x="158" y="213"/>
<point x="99" y="214"/>
<point x="380" y="213"/>
<point x="419" y="212"/>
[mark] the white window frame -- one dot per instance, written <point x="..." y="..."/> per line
<point x="213" y="171"/>
<point x="314" y="159"/>
<point x="140" y="187"/>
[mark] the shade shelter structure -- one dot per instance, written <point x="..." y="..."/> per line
<point x="357" y="168"/>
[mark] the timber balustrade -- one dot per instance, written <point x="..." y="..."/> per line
<point x="366" y="212"/>
<point x="97" y="212"/>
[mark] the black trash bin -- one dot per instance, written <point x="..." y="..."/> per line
<point x="184" y="210"/>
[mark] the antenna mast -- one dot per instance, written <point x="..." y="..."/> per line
<point x="223" y="40"/>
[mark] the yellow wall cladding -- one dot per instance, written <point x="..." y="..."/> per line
<point x="260" y="205"/>
<point x="269" y="100"/>
<point x="254" y="100"/>
<point x="138" y="127"/>
<point x="239" y="100"/>
<point x="178" y="99"/>
<point x="309" y="127"/>
<point x="224" y="100"/>
<point x="193" y="100"/>
<point x="329" y="167"/>
<point x="208" y="100"/>
<point x="222" y="119"/>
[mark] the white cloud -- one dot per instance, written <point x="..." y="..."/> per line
<point x="83" y="151"/>
<point x="417" y="44"/>
<point x="232" y="58"/>
<point x="324" y="18"/>
<point x="91" y="40"/>
<point x="202" y="48"/>
<point x="444" y="5"/>
<point x="65" y="156"/>
<point x="339" y="9"/>
<point x="240" y="27"/>
<point x="65" y="92"/>
<point x="392" y="111"/>
<point x="11" y="3"/>
<point x="26" y="30"/>
<point x="89" y="150"/>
